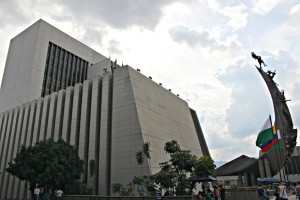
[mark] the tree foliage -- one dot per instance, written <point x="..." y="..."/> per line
<point x="146" y="150"/>
<point x="48" y="163"/>
<point x="78" y="188"/>
<point x="144" y="185"/>
<point x="204" y="166"/>
<point x="173" y="173"/>
<point x="92" y="166"/>
<point x="139" y="157"/>
<point x="122" y="190"/>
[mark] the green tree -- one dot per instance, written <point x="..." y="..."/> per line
<point x="144" y="185"/>
<point x="92" y="166"/>
<point x="78" y="188"/>
<point x="146" y="150"/>
<point x="173" y="174"/>
<point x="204" y="166"/>
<point x="139" y="157"/>
<point x="118" y="188"/>
<point x="48" y="163"/>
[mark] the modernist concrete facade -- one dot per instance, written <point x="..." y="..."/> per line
<point x="107" y="118"/>
<point x="26" y="62"/>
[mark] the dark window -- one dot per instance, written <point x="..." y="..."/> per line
<point x="50" y="72"/>
<point x="62" y="69"/>
<point x="64" y="79"/>
<point x="55" y="70"/>
<point x="46" y="70"/>
<point x="78" y="70"/>
<point x="81" y="71"/>
<point x="69" y="74"/>
<point x="74" y="70"/>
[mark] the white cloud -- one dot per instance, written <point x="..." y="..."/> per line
<point x="237" y="16"/>
<point x="192" y="37"/>
<point x="263" y="7"/>
<point x="119" y="14"/>
<point x="216" y="5"/>
<point x="293" y="20"/>
<point x="11" y="16"/>
<point x="295" y="11"/>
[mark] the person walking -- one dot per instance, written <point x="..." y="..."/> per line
<point x="59" y="194"/>
<point x="222" y="192"/>
<point x="158" y="194"/>
<point x="216" y="192"/>
<point x="282" y="190"/>
<point x="200" y="196"/>
<point x="260" y="192"/>
<point x="37" y="192"/>
<point x="297" y="190"/>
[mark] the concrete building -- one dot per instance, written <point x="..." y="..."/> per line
<point x="41" y="60"/>
<point x="108" y="113"/>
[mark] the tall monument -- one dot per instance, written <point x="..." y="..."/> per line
<point x="283" y="121"/>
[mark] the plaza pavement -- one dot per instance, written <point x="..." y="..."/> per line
<point x="291" y="197"/>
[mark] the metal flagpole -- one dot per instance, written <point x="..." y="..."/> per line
<point x="276" y="136"/>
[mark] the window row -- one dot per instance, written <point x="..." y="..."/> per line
<point x="62" y="69"/>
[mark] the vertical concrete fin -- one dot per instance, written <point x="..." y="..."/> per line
<point x="105" y="136"/>
<point x="16" y="185"/>
<point x="93" y="154"/>
<point x="202" y="141"/>
<point x="59" y="115"/>
<point x="52" y="115"/>
<point x="2" y="140"/>
<point x="83" y="145"/>
<point x="3" y="135"/>
<point x="1" y="124"/>
<point x="37" y="121"/>
<point x="5" y="152"/>
<point x="76" y="112"/>
<point x="31" y="122"/>
<point x="24" y="142"/>
<point x="44" y="121"/>
<point x="11" y="155"/>
<point x="66" y="128"/>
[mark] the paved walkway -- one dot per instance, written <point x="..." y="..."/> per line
<point x="291" y="197"/>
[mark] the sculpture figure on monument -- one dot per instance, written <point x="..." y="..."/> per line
<point x="271" y="74"/>
<point x="258" y="58"/>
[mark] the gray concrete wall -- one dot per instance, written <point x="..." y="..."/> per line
<point x="24" y="68"/>
<point x="104" y="180"/>
<point x="66" y="127"/>
<point x="59" y="115"/>
<point x="144" y="111"/>
<point x="163" y="117"/>
<point x="14" y="142"/>
<point x="94" y="137"/>
<point x="98" y="69"/>
<point x="127" y="136"/>
<point x="85" y="127"/>
<point x="76" y="112"/>
<point x="107" y="119"/>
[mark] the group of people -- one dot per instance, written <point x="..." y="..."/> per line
<point x="212" y="193"/>
<point x="281" y="192"/>
<point x="38" y="191"/>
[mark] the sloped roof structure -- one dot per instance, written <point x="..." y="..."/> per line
<point x="238" y="165"/>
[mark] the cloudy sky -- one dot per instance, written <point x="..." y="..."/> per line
<point x="198" y="48"/>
